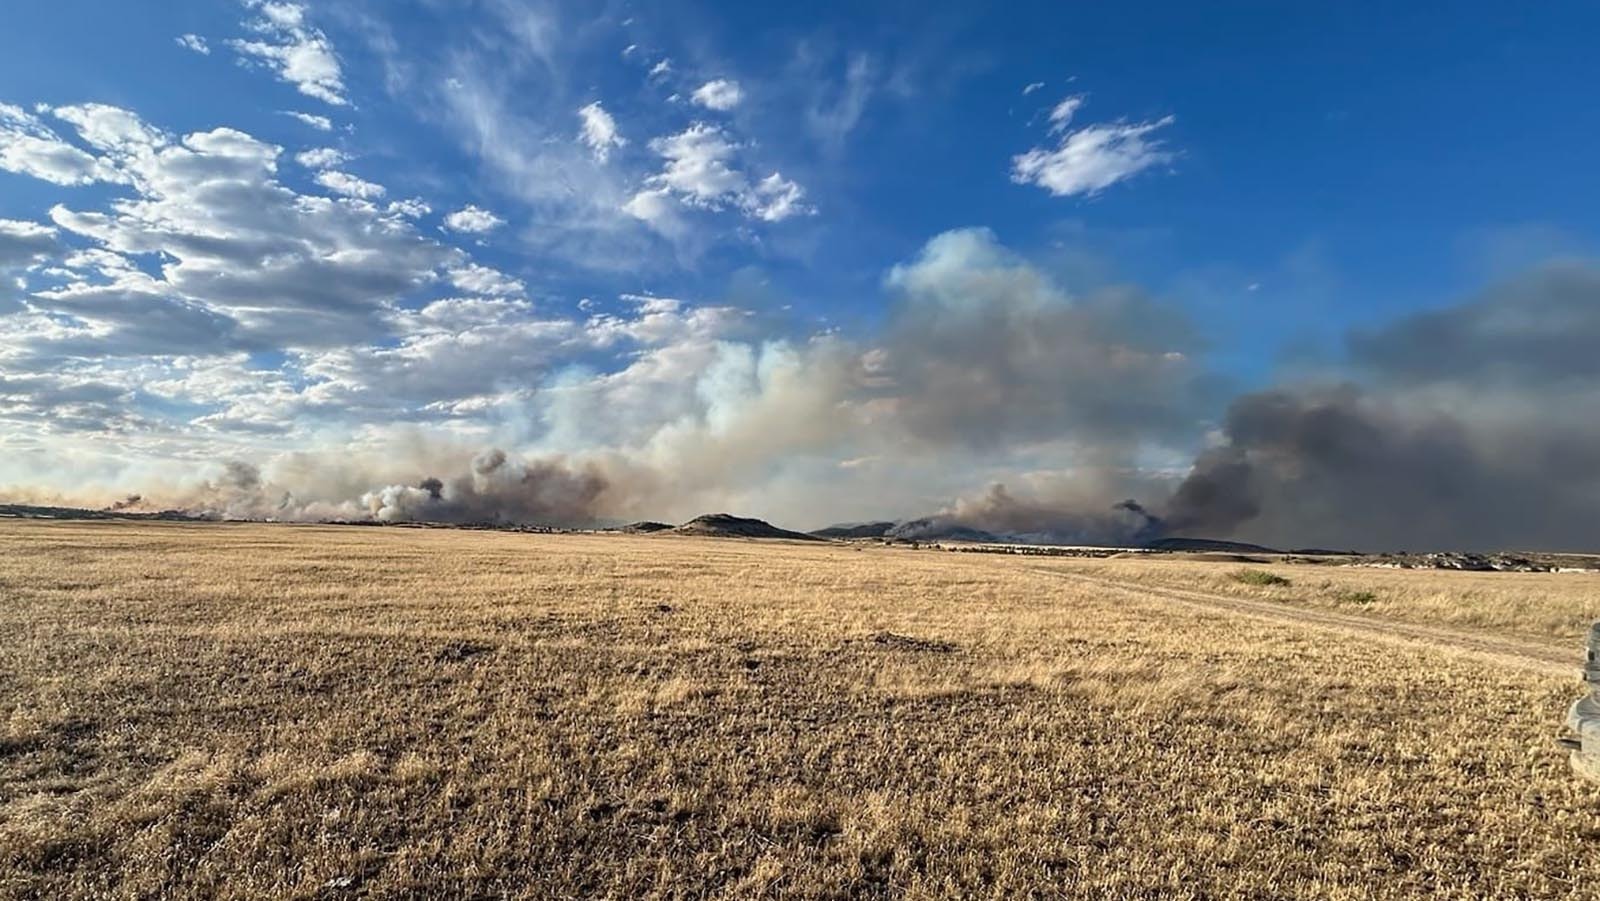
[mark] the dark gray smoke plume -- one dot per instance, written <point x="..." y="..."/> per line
<point x="1000" y="514"/>
<point x="1475" y="427"/>
<point x="499" y="490"/>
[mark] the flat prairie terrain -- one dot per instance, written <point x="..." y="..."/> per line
<point x="248" y="711"/>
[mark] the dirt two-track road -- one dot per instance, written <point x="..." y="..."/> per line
<point x="1545" y="657"/>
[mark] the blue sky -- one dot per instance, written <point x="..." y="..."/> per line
<point x="637" y="183"/>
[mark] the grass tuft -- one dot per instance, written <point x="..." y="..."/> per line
<point x="1261" y="577"/>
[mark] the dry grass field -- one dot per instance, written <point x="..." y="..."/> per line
<point x="1557" y="606"/>
<point x="248" y="711"/>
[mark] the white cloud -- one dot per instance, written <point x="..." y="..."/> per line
<point x="29" y="147"/>
<point x="1061" y="114"/>
<point x="476" y="279"/>
<point x="699" y="165"/>
<point x="473" y="220"/>
<point x="661" y="69"/>
<point x="194" y="42"/>
<point x="721" y="95"/>
<point x="320" y="123"/>
<point x="656" y="208"/>
<point x="1088" y="160"/>
<point x="24" y="243"/>
<point x="300" y="54"/>
<point x="110" y="128"/>
<point x="411" y="208"/>
<point x="599" y="132"/>
<point x="701" y="170"/>
<point x="452" y="362"/>
<point x="235" y="258"/>
<point x="776" y="198"/>
<point x="321" y="158"/>
<point x="349" y="185"/>
<point x="573" y="206"/>
<point x="1034" y="86"/>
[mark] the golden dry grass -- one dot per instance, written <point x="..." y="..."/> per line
<point x="247" y="711"/>
<point x="1543" y="605"/>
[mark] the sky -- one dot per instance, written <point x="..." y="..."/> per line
<point x="818" y="263"/>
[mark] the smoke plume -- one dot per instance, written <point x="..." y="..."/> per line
<point x="497" y="489"/>
<point x="996" y="400"/>
<point x="1472" y="427"/>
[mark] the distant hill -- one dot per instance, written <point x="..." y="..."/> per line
<point x="644" y="527"/>
<point x="937" y="529"/>
<point x="726" y="525"/>
<point x="1208" y="544"/>
<point x="31" y="511"/>
<point x="857" y="530"/>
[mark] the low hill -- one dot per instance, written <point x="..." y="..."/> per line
<point x="939" y="529"/>
<point x="31" y="511"/>
<point x="726" y="525"/>
<point x="644" y="527"/>
<point x="856" y="530"/>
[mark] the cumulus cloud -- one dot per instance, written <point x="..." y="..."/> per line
<point x="411" y="207"/>
<point x="1087" y="160"/>
<point x="720" y="94"/>
<point x="702" y="170"/>
<point x="477" y="279"/>
<point x="29" y="147"/>
<point x="321" y="158"/>
<point x="298" y="53"/>
<point x="473" y="220"/>
<point x="599" y="131"/>
<point x="25" y="243"/>
<point x="349" y="185"/>
<point x="238" y="259"/>
<point x="699" y="166"/>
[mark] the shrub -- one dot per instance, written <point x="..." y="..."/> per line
<point x="1260" y="577"/>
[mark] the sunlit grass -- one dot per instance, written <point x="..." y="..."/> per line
<point x="257" y="711"/>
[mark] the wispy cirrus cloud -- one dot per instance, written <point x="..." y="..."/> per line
<point x="599" y="132"/>
<point x="194" y="42"/>
<point x="320" y="123"/>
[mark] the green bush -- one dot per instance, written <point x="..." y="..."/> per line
<point x="1260" y="577"/>
<point x="1358" y="597"/>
